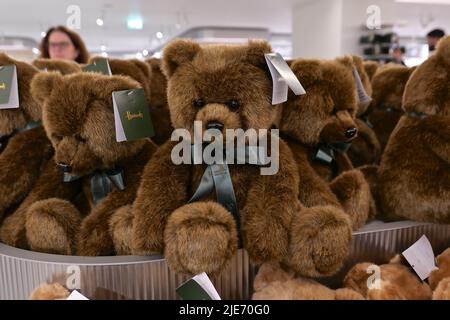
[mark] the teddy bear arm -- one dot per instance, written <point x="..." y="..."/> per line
<point x="21" y="164"/>
<point x="163" y="188"/>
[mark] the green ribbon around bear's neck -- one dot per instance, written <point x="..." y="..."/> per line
<point x="417" y="115"/>
<point x="217" y="176"/>
<point x="101" y="182"/>
<point x="326" y="152"/>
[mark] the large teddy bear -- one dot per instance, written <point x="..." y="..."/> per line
<point x="319" y="126"/>
<point x="24" y="147"/>
<point x="388" y="85"/>
<point x="229" y="87"/>
<point x="414" y="174"/>
<point x="91" y="176"/>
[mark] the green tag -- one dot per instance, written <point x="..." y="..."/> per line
<point x="132" y="115"/>
<point x="198" y="288"/>
<point x="9" y="91"/>
<point x="99" y="66"/>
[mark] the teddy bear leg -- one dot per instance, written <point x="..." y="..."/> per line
<point x="319" y="242"/>
<point x="121" y="227"/>
<point x="52" y="226"/>
<point x="353" y="191"/>
<point x="200" y="237"/>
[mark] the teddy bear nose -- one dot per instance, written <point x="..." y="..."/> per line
<point x="64" y="167"/>
<point x="215" y="125"/>
<point x="351" y="132"/>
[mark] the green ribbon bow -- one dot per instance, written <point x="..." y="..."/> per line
<point x="217" y="176"/>
<point x="101" y="182"/>
<point x="417" y="115"/>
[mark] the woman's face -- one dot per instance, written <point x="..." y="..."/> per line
<point x="61" y="47"/>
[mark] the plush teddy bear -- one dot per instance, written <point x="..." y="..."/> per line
<point x="24" y="147"/>
<point x="100" y="174"/>
<point x="50" y="291"/>
<point x="274" y="283"/>
<point x="414" y="174"/>
<point x="158" y="102"/>
<point x="388" y="85"/>
<point x="439" y="279"/>
<point x="371" y="68"/>
<point x="365" y="148"/>
<point x="63" y="66"/>
<point x="319" y="126"/>
<point x="229" y="87"/>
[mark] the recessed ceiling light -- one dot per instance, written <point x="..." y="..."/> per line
<point x="104" y="54"/>
<point x="43" y="34"/>
<point x="103" y="47"/>
<point x="99" y="22"/>
<point x="159" y="35"/>
<point x="135" y="23"/>
<point x="35" y="50"/>
<point x="139" y="55"/>
<point x="145" y="52"/>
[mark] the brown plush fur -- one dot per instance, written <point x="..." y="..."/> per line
<point x="388" y="86"/>
<point x="79" y="120"/>
<point x="414" y="174"/>
<point x="63" y="66"/>
<point x="274" y="283"/>
<point x="443" y="263"/>
<point x="25" y="152"/>
<point x="397" y="282"/>
<point x="158" y="103"/>
<point x="202" y="236"/>
<point x="324" y="115"/>
<point x="371" y="68"/>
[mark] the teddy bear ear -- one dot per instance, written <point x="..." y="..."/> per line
<point x="443" y="49"/>
<point x="307" y="71"/>
<point x="177" y="53"/>
<point x="42" y="85"/>
<point x="256" y="51"/>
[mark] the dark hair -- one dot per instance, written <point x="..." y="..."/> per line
<point x="83" y="55"/>
<point x="436" y="33"/>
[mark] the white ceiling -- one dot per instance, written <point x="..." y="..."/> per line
<point x="30" y="18"/>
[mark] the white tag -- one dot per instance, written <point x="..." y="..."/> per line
<point x="13" y="102"/>
<point x="75" y="295"/>
<point x="120" y="133"/>
<point x="282" y="78"/>
<point x="421" y="257"/>
<point x="203" y="280"/>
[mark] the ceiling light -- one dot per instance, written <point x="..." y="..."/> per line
<point x="135" y="23"/>
<point x="145" y="52"/>
<point x="104" y="54"/>
<point x="139" y="55"/>
<point x="103" y="47"/>
<point x="99" y="22"/>
<point x="43" y="34"/>
<point x="35" y="51"/>
<point x="159" y="35"/>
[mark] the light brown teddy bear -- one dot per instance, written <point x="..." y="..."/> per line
<point x="229" y="87"/>
<point x="72" y="216"/>
<point x="414" y="174"/>
<point x="63" y="66"/>
<point x="319" y="127"/>
<point x="274" y="283"/>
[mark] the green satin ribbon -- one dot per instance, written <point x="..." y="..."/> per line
<point x="417" y="115"/>
<point x="217" y="176"/>
<point x="326" y="152"/>
<point x="101" y="182"/>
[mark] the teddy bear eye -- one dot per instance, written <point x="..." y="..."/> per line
<point x="80" y="138"/>
<point x="233" y="104"/>
<point x="199" y="103"/>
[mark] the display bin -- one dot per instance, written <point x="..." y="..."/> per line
<point x="140" y="277"/>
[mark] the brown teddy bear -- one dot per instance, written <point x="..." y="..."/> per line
<point x="24" y="146"/>
<point x="388" y="85"/>
<point x="274" y="283"/>
<point x="63" y="66"/>
<point x="158" y="102"/>
<point x="229" y="87"/>
<point x="72" y="216"/>
<point x="318" y="127"/>
<point x="365" y="148"/>
<point x="371" y="68"/>
<point x="414" y="174"/>
<point x="397" y="281"/>
<point x="439" y="279"/>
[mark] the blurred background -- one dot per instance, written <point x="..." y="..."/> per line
<point x="378" y="30"/>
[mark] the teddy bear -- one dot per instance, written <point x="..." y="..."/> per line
<point x="414" y="173"/>
<point x="319" y="127"/>
<point x="228" y="87"/>
<point x="365" y="148"/>
<point x="91" y="176"/>
<point x="63" y="66"/>
<point x="272" y="282"/>
<point x="388" y="85"/>
<point x="158" y="102"/>
<point x="439" y="280"/>
<point x="24" y="147"/>
<point x="50" y="291"/>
